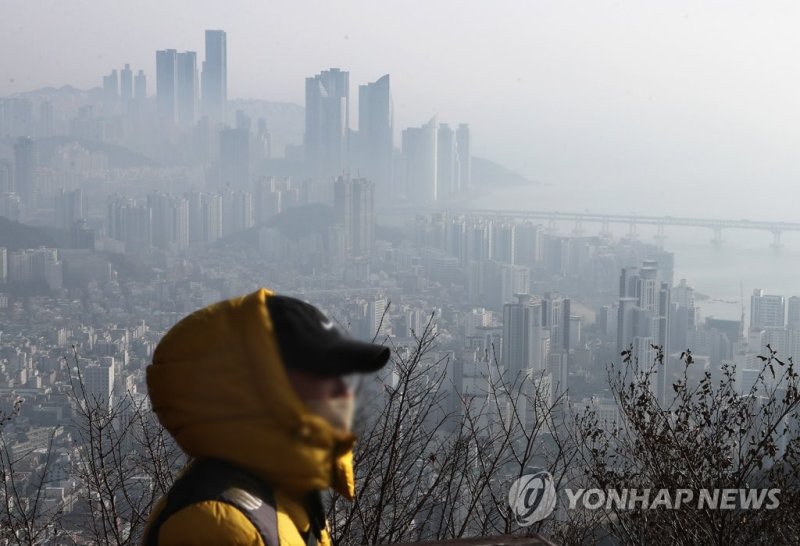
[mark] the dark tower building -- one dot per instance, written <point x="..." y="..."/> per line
<point x="186" y="92"/>
<point x="376" y="135"/>
<point x="464" y="148"/>
<point x="215" y="75"/>
<point x="234" y="158"/>
<point x="26" y="161"/>
<point x="354" y="210"/>
<point x="327" y="122"/>
<point x="166" y="84"/>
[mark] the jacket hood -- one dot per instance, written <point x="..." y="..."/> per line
<point x="219" y="386"/>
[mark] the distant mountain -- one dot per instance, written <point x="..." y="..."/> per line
<point x="293" y="223"/>
<point x="488" y="174"/>
<point x="118" y="157"/>
<point x="15" y="236"/>
<point x="297" y="222"/>
<point x="63" y="91"/>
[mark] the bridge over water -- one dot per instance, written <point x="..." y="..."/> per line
<point x="631" y="220"/>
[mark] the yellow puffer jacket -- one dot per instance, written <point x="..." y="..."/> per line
<point x="218" y="385"/>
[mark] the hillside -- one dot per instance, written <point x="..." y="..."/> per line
<point x="14" y="235"/>
<point x="487" y="174"/>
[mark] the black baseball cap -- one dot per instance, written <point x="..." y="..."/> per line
<point x="311" y="342"/>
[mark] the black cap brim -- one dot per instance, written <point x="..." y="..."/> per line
<point x="349" y="356"/>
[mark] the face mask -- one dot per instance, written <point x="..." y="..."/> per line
<point x="339" y="412"/>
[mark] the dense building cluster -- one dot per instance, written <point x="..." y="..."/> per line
<point x="140" y="209"/>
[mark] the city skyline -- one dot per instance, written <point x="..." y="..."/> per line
<point x="628" y="307"/>
<point x="543" y="106"/>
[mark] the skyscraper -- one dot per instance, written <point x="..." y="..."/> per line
<point x="170" y="217"/>
<point x="234" y="158"/>
<point x="166" y="84"/>
<point x="793" y="318"/>
<point x="420" y="151"/>
<point x="327" y="122"/>
<point x="215" y="75"/>
<point x="26" y="161"/>
<point x="126" y="84"/>
<point x="99" y="385"/>
<point x="447" y="179"/>
<point x="464" y="147"/>
<point x="766" y="311"/>
<point x="130" y="223"/>
<point x="186" y="91"/>
<point x="70" y="207"/>
<point x="111" y="87"/>
<point x="643" y="321"/>
<point x="140" y="87"/>
<point x="556" y="316"/>
<point x="6" y="176"/>
<point x="376" y="135"/>
<point x="526" y="343"/>
<point x="16" y="117"/>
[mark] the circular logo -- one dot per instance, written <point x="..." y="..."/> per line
<point x="532" y="497"/>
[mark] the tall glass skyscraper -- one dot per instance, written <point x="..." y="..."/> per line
<point x="420" y="152"/>
<point x="166" y="83"/>
<point x="186" y="92"/>
<point x="376" y="135"/>
<point x="215" y="75"/>
<point x="327" y="122"/>
<point x="26" y="159"/>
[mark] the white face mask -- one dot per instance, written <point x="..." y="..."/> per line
<point x="339" y="412"/>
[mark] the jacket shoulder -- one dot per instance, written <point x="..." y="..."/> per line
<point x="209" y="522"/>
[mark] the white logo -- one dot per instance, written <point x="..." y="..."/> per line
<point x="328" y="324"/>
<point x="532" y="497"/>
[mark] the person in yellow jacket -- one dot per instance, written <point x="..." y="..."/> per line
<point x="253" y="390"/>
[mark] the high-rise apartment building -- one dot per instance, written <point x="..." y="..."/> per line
<point x="326" y="138"/>
<point x="234" y="158"/>
<point x="26" y="165"/>
<point x="420" y="153"/>
<point x="140" y="86"/>
<point x="3" y="264"/>
<point x="16" y="117"/>
<point x="126" y="84"/>
<point x="170" y="216"/>
<point x="556" y="317"/>
<point x="130" y="223"/>
<point x="70" y="207"/>
<point x="99" y="383"/>
<point x="186" y="88"/>
<point x="215" y="76"/>
<point x="793" y="315"/>
<point x="644" y="317"/>
<point x="6" y="176"/>
<point x="111" y="87"/>
<point x="464" y="147"/>
<point x="376" y="135"/>
<point x="447" y="177"/>
<point x="354" y="211"/>
<point x="766" y="311"/>
<point x="166" y="84"/>
<point x="526" y="343"/>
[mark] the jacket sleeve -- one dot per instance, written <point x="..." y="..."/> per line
<point x="209" y="523"/>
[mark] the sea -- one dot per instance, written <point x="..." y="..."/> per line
<point x="744" y="261"/>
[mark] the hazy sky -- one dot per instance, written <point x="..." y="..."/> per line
<point x="612" y="93"/>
